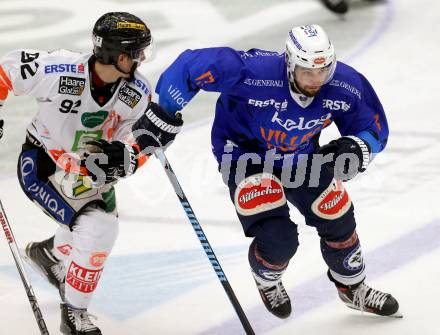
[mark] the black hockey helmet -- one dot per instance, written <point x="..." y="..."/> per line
<point x="119" y="32"/>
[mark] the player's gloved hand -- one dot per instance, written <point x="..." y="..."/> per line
<point x="156" y="128"/>
<point x="106" y="162"/>
<point x="351" y="156"/>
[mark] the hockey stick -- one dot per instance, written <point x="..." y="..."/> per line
<point x="204" y="241"/>
<point x="19" y="263"/>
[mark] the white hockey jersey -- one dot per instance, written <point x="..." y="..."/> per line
<point x="68" y="116"/>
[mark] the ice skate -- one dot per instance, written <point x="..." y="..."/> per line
<point x="275" y="297"/>
<point x="42" y="260"/>
<point x="366" y="299"/>
<point x="77" y="321"/>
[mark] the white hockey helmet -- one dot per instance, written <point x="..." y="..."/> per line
<point x="310" y="47"/>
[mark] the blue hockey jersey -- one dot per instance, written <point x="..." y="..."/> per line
<point x="256" y="110"/>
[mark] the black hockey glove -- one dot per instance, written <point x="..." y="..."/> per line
<point x="156" y="128"/>
<point x="355" y="156"/>
<point x="106" y="162"/>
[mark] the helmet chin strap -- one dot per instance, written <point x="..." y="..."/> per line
<point x="131" y="72"/>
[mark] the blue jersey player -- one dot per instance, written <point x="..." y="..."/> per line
<point x="270" y="113"/>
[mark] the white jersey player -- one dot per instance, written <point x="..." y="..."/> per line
<point x="77" y="146"/>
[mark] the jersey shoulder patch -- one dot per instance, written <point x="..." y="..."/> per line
<point x="135" y="91"/>
<point x="266" y="69"/>
<point x="129" y="95"/>
<point x="347" y="81"/>
<point x="252" y="53"/>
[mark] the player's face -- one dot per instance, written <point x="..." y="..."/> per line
<point x="309" y="81"/>
<point x="125" y="62"/>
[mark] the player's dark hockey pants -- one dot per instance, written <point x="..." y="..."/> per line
<point x="260" y="201"/>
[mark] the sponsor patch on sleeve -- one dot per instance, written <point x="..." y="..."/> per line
<point x="205" y="78"/>
<point x="259" y="193"/>
<point x="333" y="203"/>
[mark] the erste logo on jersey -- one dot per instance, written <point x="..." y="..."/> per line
<point x="280" y="106"/>
<point x="61" y="68"/>
<point x="335" y="105"/>
<point x="144" y="87"/>
<point x="129" y="96"/>
<point x="71" y="85"/>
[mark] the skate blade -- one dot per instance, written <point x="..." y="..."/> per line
<point x="396" y="315"/>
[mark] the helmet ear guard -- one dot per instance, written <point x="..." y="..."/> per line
<point x="119" y="32"/>
<point x="309" y="47"/>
